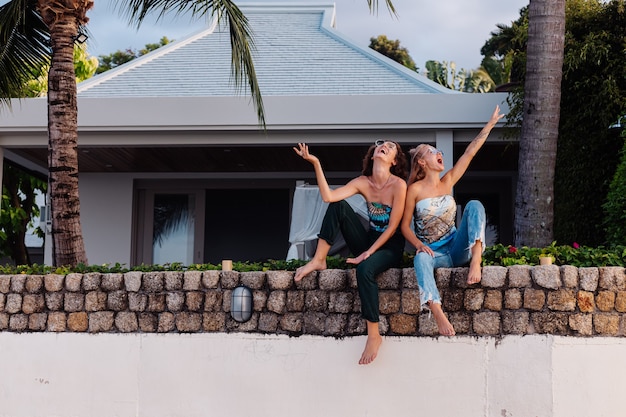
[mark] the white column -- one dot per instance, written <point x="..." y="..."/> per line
<point x="444" y="142"/>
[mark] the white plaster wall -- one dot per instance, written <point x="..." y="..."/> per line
<point x="151" y="375"/>
<point x="106" y="202"/>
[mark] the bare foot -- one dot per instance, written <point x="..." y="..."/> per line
<point x="313" y="265"/>
<point x="371" y="348"/>
<point x="474" y="275"/>
<point x="443" y="324"/>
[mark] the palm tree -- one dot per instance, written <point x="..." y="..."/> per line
<point x="534" y="202"/>
<point x="35" y="33"/>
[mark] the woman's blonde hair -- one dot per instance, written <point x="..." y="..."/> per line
<point x="417" y="171"/>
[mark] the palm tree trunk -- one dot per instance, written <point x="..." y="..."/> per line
<point x="534" y="202"/>
<point x="67" y="238"/>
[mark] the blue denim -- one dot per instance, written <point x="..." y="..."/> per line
<point x="456" y="252"/>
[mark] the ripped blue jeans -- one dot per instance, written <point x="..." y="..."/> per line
<point x="456" y="252"/>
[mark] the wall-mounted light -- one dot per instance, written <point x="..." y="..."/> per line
<point x="241" y="304"/>
<point x="80" y="38"/>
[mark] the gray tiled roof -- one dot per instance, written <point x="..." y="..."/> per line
<point x="297" y="53"/>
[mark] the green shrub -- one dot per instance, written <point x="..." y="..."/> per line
<point x="615" y="205"/>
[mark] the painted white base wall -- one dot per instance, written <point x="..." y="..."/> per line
<point x="216" y="374"/>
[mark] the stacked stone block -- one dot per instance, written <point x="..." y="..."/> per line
<point x="517" y="300"/>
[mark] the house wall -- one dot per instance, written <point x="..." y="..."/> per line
<point x="531" y="341"/>
<point x="106" y="202"/>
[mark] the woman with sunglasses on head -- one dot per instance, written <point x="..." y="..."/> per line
<point x="382" y="184"/>
<point x="431" y="207"/>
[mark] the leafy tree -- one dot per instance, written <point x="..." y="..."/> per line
<point x="19" y="205"/>
<point x="34" y="33"/>
<point x="120" y="57"/>
<point x="444" y="73"/>
<point x="615" y="205"/>
<point x="593" y="96"/>
<point x="393" y="50"/>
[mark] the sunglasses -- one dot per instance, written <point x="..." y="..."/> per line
<point x="433" y="151"/>
<point x="381" y="142"/>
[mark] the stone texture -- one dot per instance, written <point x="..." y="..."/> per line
<point x="137" y="302"/>
<point x="33" y="303"/>
<point x="562" y="300"/>
<point x="316" y="300"/>
<point x="253" y="280"/>
<point x="213" y="300"/>
<point x="493" y="300"/>
<point x="453" y="300"/>
<point x="403" y="324"/>
<point x="582" y="324"/>
<point x="295" y="300"/>
<point x="486" y="323"/>
<point x="292" y="322"/>
<point x="462" y="322"/>
<point x="91" y="281"/>
<point x="117" y="300"/>
<point x="95" y="301"/>
<point x="332" y="280"/>
<point x="268" y="322"/>
<point x="18" y="322"/>
<point x="175" y="301"/>
<point x="194" y="300"/>
<point x="474" y="299"/>
<point x="53" y="282"/>
<point x="546" y="276"/>
<point x="586" y="301"/>
<point x="156" y="302"/>
<point x="229" y="279"/>
<point x="78" y="322"/>
<point x="100" y="321"/>
<point x="34" y="284"/>
<point x="409" y="280"/>
<point x="569" y="276"/>
<point x="605" y="300"/>
<point x="153" y="281"/>
<point x="74" y="302"/>
<point x="426" y="324"/>
<point x="213" y="322"/>
<point x="132" y="281"/>
<point x="620" y="301"/>
<point x="166" y="322"/>
<point x="410" y="299"/>
<point x="18" y="283"/>
<point x="73" y="282"/>
<point x="515" y="322"/>
<point x="57" y="322"/>
<point x="606" y="324"/>
<point x="188" y="321"/>
<point x="283" y="280"/>
<point x="112" y="282"/>
<point x="173" y="280"/>
<point x="389" y="302"/>
<point x="37" y="322"/>
<point x="612" y="278"/>
<point x="259" y="300"/>
<point x="148" y="322"/>
<point x="314" y="322"/>
<point x="276" y="301"/>
<point x="335" y="324"/>
<point x="519" y="276"/>
<point x="126" y="322"/>
<point x="5" y="283"/>
<point x="588" y="278"/>
<point x="551" y="323"/>
<point x="339" y="302"/>
<point x="513" y="299"/>
<point x="210" y="279"/>
<point x="4" y="321"/>
<point x="389" y="279"/>
<point x="534" y="299"/>
<point x="493" y="276"/>
<point x="192" y="280"/>
<point x="54" y="301"/>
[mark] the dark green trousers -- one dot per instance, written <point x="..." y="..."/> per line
<point x="341" y="218"/>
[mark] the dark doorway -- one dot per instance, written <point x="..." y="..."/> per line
<point x="246" y="224"/>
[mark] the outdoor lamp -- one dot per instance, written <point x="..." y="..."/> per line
<point x="80" y="37"/>
<point x="241" y="304"/>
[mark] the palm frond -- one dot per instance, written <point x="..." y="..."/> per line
<point x="373" y="6"/>
<point x="24" y="46"/>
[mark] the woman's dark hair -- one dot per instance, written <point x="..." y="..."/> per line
<point x="400" y="169"/>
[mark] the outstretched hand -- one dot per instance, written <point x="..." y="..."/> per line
<point x="303" y="151"/>
<point x="496" y="116"/>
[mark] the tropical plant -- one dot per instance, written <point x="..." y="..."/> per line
<point x="19" y="206"/>
<point x="445" y="73"/>
<point x="120" y="57"/>
<point x="35" y="33"/>
<point x="393" y="50"/>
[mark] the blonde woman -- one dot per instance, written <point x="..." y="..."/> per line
<point x="382" y="184"/>
<point x="431" y="207"/>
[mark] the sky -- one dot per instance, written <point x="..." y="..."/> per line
<point x="441" y="30"/>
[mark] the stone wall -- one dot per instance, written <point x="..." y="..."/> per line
<point x="516" y="300"/>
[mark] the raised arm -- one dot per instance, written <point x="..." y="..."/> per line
<point x="328" y="194"/>
<point x="457" y="171"/>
